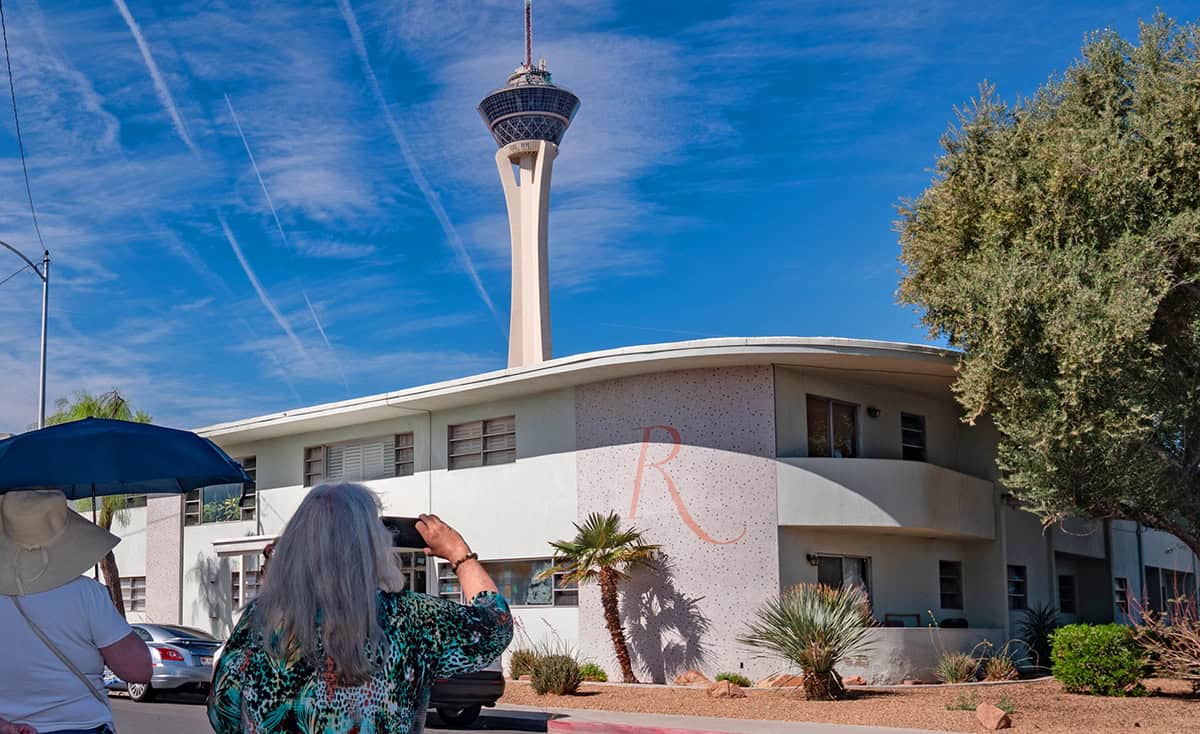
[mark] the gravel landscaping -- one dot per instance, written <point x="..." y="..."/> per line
<point x="1041" y="706"/>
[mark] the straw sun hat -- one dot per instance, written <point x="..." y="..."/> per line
<point x="43" y="544"/>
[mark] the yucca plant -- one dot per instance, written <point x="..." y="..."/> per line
<point x="814" y="627"/>
<point x="603" y="552"/>
<point x="1035" y="629"/>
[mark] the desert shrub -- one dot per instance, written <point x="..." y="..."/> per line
<point x="521" y="662"/>
<point x="1000" y="667"/>
<point x="1099" y="659"/>
<point x="593" y="672"/>
<point x="1035" y="629"/>
<point x="966" y="701"/>
<point x="814" y="627"/>
<point x="557" y="674"/>
<point x="1171" y="642"/>
<point x="956" y="667"/>
<point x="735" y="678"/>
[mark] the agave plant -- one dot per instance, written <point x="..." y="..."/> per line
<point x="814" y="627"/>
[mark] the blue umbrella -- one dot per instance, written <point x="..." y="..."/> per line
<point x="95" y="457"/>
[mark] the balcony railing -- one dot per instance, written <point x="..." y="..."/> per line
<point x="887" y="495"/>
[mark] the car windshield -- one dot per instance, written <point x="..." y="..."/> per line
<point x="186" y="633"/>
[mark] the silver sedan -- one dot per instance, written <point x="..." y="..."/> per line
<point x="182" y="658"/>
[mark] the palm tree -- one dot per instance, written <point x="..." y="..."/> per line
<point x="106" y="405"/>
<point x="814" y="627"/>
<point x="604" y="553"/>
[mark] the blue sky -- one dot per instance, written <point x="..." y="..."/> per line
<point x="259" y="205"/>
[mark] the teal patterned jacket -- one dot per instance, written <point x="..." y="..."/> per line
<point x="430" y="638"/>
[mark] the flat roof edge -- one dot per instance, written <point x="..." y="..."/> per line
<point x="759" y="348"/>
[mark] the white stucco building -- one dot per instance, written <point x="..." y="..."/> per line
<point x="757" y="464"/>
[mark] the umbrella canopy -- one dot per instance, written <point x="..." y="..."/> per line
<point x="97" y="457"/>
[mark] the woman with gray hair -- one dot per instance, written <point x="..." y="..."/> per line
<point x="334" y="644"/>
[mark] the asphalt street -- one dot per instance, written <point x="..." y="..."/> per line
<point x="188" y="716"/>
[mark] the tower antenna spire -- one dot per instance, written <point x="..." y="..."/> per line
<point x="529" y="34"/>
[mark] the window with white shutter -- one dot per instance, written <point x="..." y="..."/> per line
<point x="361" y="460"/>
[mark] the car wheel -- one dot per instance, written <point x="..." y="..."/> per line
<point x="459" y="715"/>
<point x="141" y="692"/>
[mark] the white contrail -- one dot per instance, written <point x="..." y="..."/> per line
<point x="410" y="159"/>
<point x="258" y="287"/>
<point x="254" y="164"/>
<point x="160" y="85"/>
<point x="325" y="337"/>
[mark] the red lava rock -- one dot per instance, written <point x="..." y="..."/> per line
<point x="991" y="717"/>
<point x="692" y="678"/>
<point x="854" y="680"/>
<point x="725" y="689"/>
<point x="525" y="677"/>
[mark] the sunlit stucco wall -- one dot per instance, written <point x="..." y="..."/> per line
<point x="687" y="457"/>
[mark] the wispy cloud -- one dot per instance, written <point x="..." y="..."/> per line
<point x="414" y="166"/>
<point x="258" y="287"/>
<point x="257" y="174"/>
<point x="325" y="338"/>
<point x="160" y="84"/>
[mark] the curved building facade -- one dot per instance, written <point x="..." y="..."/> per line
<point x="756" y="463"/>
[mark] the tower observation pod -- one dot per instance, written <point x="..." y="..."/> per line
<point x="528" y="118"/>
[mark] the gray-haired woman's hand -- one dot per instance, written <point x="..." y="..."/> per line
<point x="441" y="540"/>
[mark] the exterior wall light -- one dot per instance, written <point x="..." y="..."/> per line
<point x="812" y="558"/>
<point x="872" y="411"/>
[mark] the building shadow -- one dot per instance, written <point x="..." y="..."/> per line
<point x="665" y="628"/>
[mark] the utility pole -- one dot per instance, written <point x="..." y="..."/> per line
<point x="44" y="274"/>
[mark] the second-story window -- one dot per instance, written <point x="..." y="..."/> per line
<point x="832" y="428"/>
<point x="360" y="460"/>
<point x="912" y="436"/>
<point x="223" y="502"/>
<point x="482" y="443"/>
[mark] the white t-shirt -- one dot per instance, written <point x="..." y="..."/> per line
<point x="35" y="687"/>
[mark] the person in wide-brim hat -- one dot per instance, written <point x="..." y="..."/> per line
<point x="61" y="629"/>
<point x="43" y="544"/>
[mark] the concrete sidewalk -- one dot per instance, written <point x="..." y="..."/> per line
<point x="581" y="721"/>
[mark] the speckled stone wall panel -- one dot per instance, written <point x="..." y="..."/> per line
<point x="164" y="554"/>
<point x="687" y="457"/>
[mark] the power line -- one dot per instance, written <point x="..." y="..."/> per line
<point x="19" y="271"/>
<point x="12" y="90"/>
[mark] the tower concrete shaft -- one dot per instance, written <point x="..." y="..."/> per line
<point x="528" y="117"/>
<point x="525" y="168"/>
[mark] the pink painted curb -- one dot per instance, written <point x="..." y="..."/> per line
<point x="569" y="726"/>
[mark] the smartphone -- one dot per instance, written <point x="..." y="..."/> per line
<point x="404" y="532"/>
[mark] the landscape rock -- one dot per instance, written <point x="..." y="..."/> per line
<point x="525" y="677"/>
<point x="692" y="678"/>
<point x="854" y="680"/>
<point x="725" y="689"/>
<point x="991" y="717"/>
<point x="913" y="682"/>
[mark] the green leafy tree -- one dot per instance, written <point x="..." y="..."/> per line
<point x="604" y="553"/>
<point x="1059" y="247"/>
<point x="111" y="404"/>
